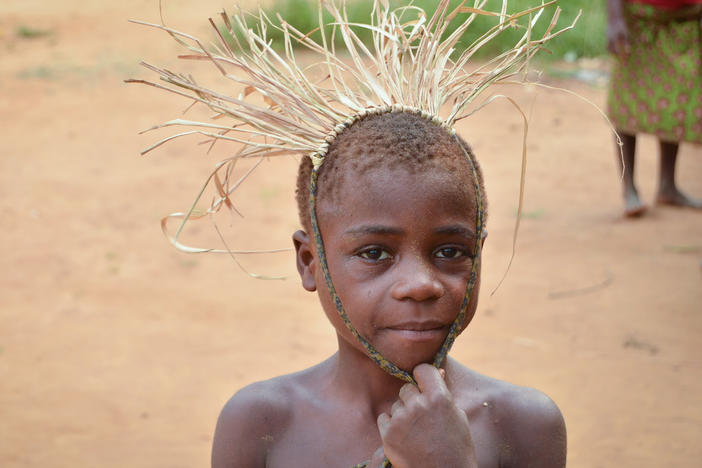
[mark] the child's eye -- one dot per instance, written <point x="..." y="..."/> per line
<point x="449" y="252"/>
<point x="374" y="253"/>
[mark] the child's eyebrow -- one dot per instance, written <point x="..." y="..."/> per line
<point x="367" y="229"/>
<point x="456" y="229"/>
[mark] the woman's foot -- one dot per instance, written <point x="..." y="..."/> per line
<point x="633" y="206"/>
<point x="675" y="197"/>
<point x="668" y="193"/>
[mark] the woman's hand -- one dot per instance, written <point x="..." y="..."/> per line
<point x="425" y="429"/>
<point x="617" y="30"/>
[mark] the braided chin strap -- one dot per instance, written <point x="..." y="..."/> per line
<point x="455" y="329"/>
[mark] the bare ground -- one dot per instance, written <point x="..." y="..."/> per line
<point x="116" y="350"/>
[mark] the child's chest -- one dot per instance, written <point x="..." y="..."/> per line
<point x="342" y="439"/>
<point x="317" y="436"/>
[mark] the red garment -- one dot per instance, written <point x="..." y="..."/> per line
<point x="668" y="4"/>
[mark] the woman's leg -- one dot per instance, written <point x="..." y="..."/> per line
<point x="668" y="193"/>
<point x="632" y="203"/>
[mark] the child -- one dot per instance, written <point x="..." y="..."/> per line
<point x="392" y="206"/>
<point x="656" y="87"/>
<point x="400" y="252"/>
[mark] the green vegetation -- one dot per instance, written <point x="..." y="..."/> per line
<point x="586" y="40"/>
<point x="28" y="32"/>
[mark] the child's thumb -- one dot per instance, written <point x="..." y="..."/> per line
<point x="377" y="459"/>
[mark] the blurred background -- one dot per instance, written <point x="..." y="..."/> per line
<point x="116" y="350"/>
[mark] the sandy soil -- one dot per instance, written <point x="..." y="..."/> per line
<point x="118" y="351"/>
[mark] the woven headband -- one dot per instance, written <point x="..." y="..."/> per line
<point x="318" y="156"/>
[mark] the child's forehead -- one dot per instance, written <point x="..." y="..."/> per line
<point x="403" y="175"/>
<point x="388" y="185"/>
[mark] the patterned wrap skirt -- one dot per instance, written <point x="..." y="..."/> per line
<point x="657" y="88"/>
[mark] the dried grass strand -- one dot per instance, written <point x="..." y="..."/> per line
<point x="286" y="108"/>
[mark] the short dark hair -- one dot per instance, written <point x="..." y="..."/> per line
<point x="391" y="139"/>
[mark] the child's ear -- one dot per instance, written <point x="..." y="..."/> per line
<point x="306" y="263"/>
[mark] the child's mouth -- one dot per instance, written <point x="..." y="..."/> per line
<point x="419" y="331"/>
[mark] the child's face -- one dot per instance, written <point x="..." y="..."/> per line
<point x="399" y="248"/>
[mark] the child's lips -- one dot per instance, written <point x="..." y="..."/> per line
<point x="419" y="331"/>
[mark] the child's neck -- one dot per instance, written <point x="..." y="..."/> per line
<point x="361" y="380"/>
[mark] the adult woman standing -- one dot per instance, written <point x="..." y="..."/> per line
<point x="656" y="87"/>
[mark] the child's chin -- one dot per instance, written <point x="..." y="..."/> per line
<point x="407" y="352"/>
<point x="409" y="359"/>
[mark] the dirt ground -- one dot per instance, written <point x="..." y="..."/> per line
<point x="116" y="350"/>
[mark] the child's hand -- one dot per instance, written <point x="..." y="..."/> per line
<point x="377" y="459"/>
<point x="425" y="428"/>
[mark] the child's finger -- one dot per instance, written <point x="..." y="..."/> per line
<point x="377" y="458"/>
<point x="397" y="406"/>
<point x="383" y="423"/>
<point x="442" y="372"/>
<point x="407" y="392"/>
<point x="429" y="379"/>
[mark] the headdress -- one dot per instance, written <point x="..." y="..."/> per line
<point x="412" y="64"/>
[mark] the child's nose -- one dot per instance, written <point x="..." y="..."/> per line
<point x="416" y="281"/>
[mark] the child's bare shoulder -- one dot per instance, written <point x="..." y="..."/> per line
<point x="525" y="422"/>
<point x="255" y="417"/>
